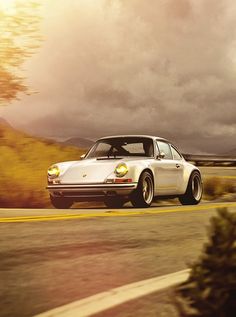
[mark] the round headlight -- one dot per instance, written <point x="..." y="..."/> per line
<point x="53" y="171"/>
<point x="121" y="170"/>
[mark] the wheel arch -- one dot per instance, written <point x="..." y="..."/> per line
<point x="189" y="176"/>
<point x="137" y="198"/>
<point x="150" y="172"/>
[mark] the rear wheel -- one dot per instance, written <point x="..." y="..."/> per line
<point x="115" y="202"/>
<point x="143" y="195"/>
<point x="194" y="190"/>
<point x="60" y="202"/>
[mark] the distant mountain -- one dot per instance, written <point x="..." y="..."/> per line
<point x="231" y="152"/>
<point x="79" y="142"/>
<point x="3" y="122"/>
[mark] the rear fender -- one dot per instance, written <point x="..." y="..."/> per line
<point x="188" y="170"/>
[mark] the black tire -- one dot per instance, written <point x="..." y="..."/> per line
<point x="193" y="194"/>
<point x="142" y="197"/>
<point x="60" y="202"/>
<point x="115" y="202"/>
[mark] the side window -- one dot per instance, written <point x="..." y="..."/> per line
<point x="176" y="155"/>
<point x="165" y="148"/>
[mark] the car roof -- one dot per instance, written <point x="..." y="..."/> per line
<point x="134" y="135"/>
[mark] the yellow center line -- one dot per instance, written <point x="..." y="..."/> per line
<point x="113" y="213"/>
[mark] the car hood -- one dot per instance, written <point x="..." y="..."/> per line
<point x="91" y="170"/>
<point x="88" y="171"/>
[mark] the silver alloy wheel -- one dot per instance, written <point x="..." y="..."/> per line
<point x="147" y="189"/>
<point x="197" y="187"/>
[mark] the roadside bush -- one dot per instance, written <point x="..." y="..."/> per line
<point x="210" y="291"/>
<point x="215" y="187"/>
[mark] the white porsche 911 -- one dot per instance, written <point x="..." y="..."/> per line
<point x="125" y="168"/>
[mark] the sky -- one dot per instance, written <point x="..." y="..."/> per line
<point x="160" y="67"/>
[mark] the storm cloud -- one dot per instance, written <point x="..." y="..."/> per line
<point x="164" y="67"/>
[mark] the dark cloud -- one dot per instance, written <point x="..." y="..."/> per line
<point x="162" y="67"/>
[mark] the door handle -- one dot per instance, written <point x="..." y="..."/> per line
<point x="177" y="165"/>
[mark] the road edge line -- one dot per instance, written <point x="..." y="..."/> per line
<point x="102" y="301"/>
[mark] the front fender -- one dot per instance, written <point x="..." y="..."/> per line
<point x="136" y="168"/>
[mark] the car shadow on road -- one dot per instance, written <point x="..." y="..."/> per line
<point x="100" y="205"/>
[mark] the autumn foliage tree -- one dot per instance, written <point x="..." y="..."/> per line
<point x="19" y="37"/>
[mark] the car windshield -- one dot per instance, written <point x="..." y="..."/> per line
<point x="122" y="146"/>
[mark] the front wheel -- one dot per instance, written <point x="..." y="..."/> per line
<point x="143" y="195"/>
<point x="115" y="202"/>
<point x="60" y="202"/>
<point x="193" y="194"/>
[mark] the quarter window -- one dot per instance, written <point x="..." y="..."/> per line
<point x="176" y="155"/>
<point x="165" y="148"/>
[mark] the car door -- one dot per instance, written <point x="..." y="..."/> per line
<point x="179" y="163"/>
<point x="167" y="173"/>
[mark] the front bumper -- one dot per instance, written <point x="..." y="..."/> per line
<point x="91" y="191"/>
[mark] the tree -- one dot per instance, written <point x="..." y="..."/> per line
<point x="210" y="290"/>
<point x="19" y="25"/>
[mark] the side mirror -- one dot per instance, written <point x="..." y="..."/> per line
<point x="82" y="156"/>
<point x="161" y="155"/>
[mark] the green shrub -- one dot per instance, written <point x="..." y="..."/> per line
<point x="210" y="291"/>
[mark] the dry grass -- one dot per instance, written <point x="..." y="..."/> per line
<point x="24" y="162"/>
<point x="215" y="187"/>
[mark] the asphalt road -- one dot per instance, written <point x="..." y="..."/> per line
<point x="49" y="258"/>
<point x="52" y="257"/>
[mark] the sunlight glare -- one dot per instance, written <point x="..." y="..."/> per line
<point x="8" y="6"/>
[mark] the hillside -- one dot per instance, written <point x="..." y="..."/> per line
<point x="4" y="122"/>
<point x="24" y="161"/>
<point x="79" y="142"/>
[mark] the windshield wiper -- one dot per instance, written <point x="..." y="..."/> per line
<point x="109" y="158"/>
